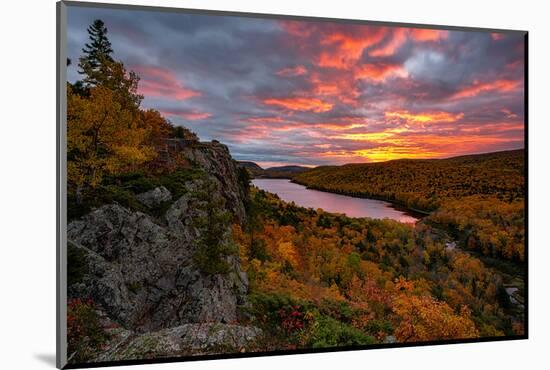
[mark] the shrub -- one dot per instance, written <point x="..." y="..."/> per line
<point x="328" y="332"/>
<point x="77" y="265"/>
<point x="85" y="336"/>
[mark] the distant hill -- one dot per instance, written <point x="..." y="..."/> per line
<point x="424" y="183"/>
<point x="284" y="171"/>
<point x="253" y="168"/>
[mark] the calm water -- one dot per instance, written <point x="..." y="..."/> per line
<point x="335" y="203"/>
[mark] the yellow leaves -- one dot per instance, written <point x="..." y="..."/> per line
<point x="288" y="253"/>
<point x="422" y="318"/>
<point x="102" y="137"/>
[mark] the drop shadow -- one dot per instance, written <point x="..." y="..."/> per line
<point x="46" y="358"/>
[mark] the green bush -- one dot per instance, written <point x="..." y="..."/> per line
<point x="328" y="332"/>
<point x="338" y="310"/>
<point x="376" y="326"/>
<point x="265" y="307"/>
<point x="175" y="181"/>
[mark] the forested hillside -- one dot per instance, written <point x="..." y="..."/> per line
<point x="480" y="195"/>
<point x="319" y="279"/>
<point x="425" y="183"/>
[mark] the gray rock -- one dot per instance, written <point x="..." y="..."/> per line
<point x="216" y="160"/>
<point x="143" y="273"/>
<point x="155" y="197"/>
<point x="188" y="339"/>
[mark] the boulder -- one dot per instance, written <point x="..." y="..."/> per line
<point x="155" y="197"/>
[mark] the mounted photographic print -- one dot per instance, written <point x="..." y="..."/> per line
<point x="234" y="184"/>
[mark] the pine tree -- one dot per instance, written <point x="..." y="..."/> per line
<point x="97" y="53"/>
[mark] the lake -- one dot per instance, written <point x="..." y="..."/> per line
<point x="334" y="203"/>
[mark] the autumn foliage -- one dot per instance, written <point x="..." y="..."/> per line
<point x="481" y="195"/>
<point x="365" y="279"/>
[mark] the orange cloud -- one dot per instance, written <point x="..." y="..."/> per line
<point x="388" y="153"/>
<point x="160" y="82"/>
<point x="399" y="36"/>
<point x="292" y="71"/>
<point x="381" y="136"/>
<point x="425" y="117"/>
<point x="339" y="85"/>
<point x="419" y="34"/>
<point x="347" y="47"/>
<point x="379" y="71"/>
<point x="300" y="104"/>
<point x="481" y="87"/>
<point x="391" y="145"/>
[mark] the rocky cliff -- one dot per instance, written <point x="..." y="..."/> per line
<point x="140" y="267"/>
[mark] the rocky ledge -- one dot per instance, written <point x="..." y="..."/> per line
<point x="143" y="269"/>
<point x="183" y="340"/>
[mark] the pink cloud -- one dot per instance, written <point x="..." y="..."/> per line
<point x="188" y="114"/>
<point x="292" y="71"/>
<point x="161" y="82"/>
<point x="477" y="88"/>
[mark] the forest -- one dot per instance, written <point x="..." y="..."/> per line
<point x="320" y="279"/>
<point x="478" y="197"/>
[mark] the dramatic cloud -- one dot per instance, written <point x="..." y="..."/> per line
<point x="477" y="88"/>
<point x="319" y="92"/>
<point x="189" y="114"/>
<point x="156" y="81"/>
<point x="300" y="104"/>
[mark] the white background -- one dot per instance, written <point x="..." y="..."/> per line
<point x="27" y="182"/>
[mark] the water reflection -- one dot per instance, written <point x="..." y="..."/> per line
<point x="335" y="203"/>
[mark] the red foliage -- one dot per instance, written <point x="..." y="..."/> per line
<point x="292" y="319"/>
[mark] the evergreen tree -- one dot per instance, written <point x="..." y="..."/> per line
<point x="213" y="247"/>
<point x="97" y="53"/>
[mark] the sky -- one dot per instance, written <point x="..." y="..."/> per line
<point x="312" y="93"/>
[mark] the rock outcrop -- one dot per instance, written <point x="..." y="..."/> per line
<point x="155" y="197"/>
<point x="215" y="159"/>
<point x="184" y="340"/>
<point x="140" y="268"/>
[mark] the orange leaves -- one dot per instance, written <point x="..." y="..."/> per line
<point x="423" y="318"/>
<point x="353" y="263"/>
<point x="367" y="291"/>
<point x="403" y="285"/>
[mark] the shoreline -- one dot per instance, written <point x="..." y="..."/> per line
<point x="416" y="213"/>
<point x="397" y="205"/>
